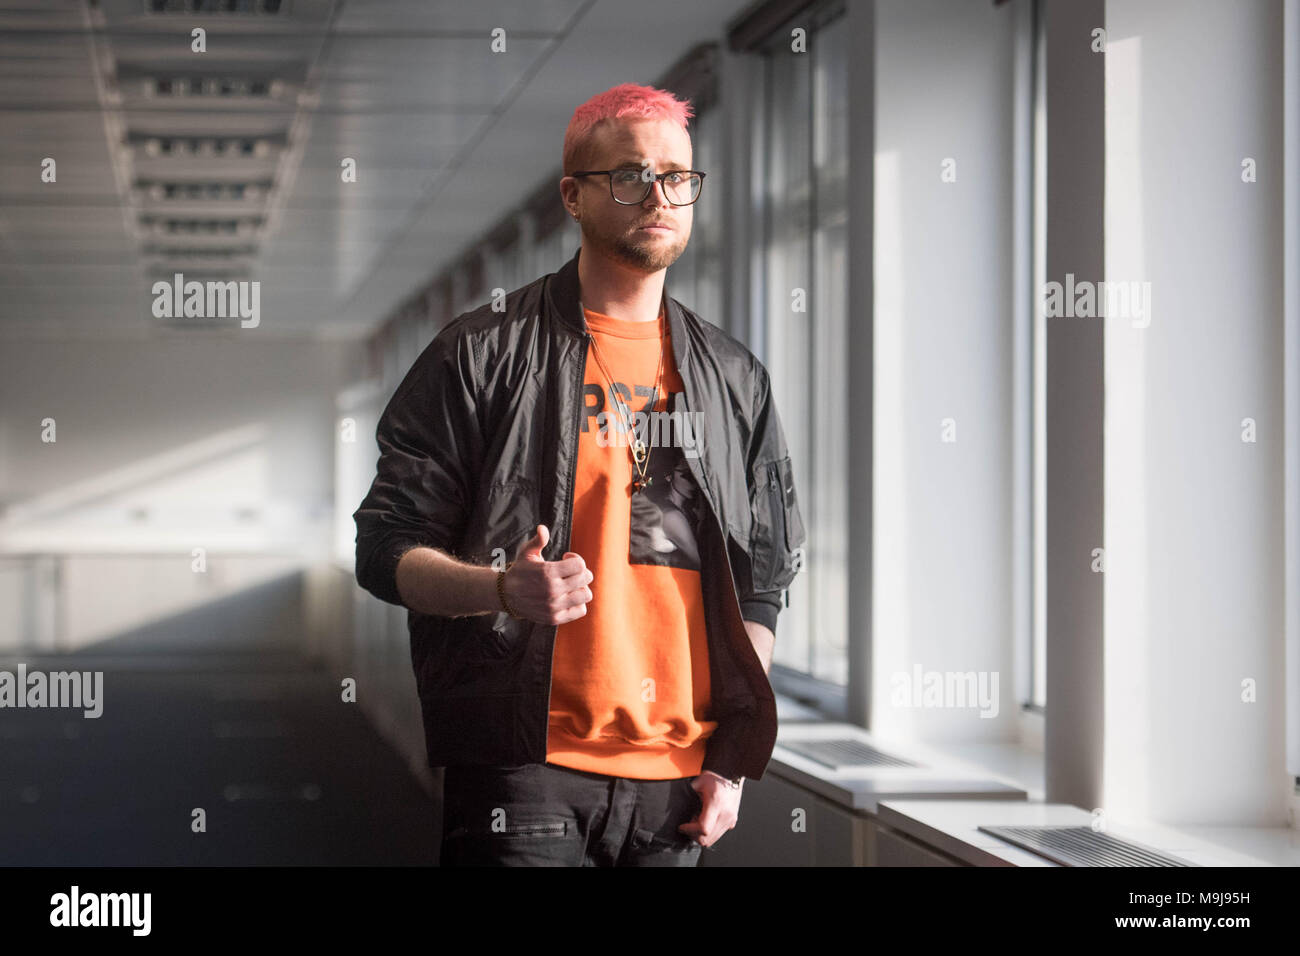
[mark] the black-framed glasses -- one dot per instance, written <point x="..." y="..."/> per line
<point x="629" y="186"/>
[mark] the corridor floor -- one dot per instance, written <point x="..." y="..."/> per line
<point x="284" y="772"/>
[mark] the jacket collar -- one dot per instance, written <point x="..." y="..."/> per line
<point x="566" y="302"/>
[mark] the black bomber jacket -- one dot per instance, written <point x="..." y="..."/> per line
<point x="479" y="444"/>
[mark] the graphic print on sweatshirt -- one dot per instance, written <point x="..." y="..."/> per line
<point x="666" y="513"/>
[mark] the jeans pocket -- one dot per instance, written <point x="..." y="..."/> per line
<point x="517" y="843"/>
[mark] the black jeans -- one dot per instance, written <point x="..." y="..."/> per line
<point x="544" y="815"/>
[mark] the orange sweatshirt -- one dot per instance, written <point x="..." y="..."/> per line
<point x="630" y="679"/>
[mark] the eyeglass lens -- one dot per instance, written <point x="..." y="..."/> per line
<point x="680" y="188"/>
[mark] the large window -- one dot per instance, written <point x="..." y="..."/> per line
<point x="800" y="151"/>
<point x="695" y="279"/>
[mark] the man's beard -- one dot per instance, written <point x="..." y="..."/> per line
<point x="649" y="256"/>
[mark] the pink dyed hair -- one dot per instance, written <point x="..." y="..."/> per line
<point x="627" y="100"/>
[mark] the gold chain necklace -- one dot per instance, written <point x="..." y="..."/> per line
<point x="640" y="455"/>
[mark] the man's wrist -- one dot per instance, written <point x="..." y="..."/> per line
<point x="479" y="585"/>
<point x="501" y="593"/>
<point x="732" y="783"/>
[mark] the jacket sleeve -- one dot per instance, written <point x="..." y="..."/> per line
<point x="430" y="449"/>
<point x="778" y="534"/>
<point x="762" y="609"/>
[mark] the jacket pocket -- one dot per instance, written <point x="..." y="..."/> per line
<point x="463" y="655"/>
<point x="506" y="638"/>
<point x="486" y="639"/>
<point x="778" y="528"/>
<point x="433" y="655"/>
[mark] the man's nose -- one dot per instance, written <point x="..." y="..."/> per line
<point x="657" y="189"/>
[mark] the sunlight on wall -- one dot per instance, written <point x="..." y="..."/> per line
<point x="139" y="544"/>
<point x="213" y="493"/>
<point x="889" y="622"/>
<point x="1127" y="674"/>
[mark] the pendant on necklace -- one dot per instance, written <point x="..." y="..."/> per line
<point x="639" y="455"/>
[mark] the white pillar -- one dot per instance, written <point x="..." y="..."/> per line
<point x="1194" y="515"/>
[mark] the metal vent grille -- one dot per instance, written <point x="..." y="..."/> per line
<point x="191" y="86"/>
<point x="172" y="191"/>
<point x="206" y="147"/>
<point x="240" y="226"/>
<point x="844" y="754"/>
<point x="1083" y="846"/>
<point x="245" y="7"/>
<point x="214" y="253"/>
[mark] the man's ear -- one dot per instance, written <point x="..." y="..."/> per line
<point x="569" y="195"/>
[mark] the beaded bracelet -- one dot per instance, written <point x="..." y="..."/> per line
<point x="501" y="593"/>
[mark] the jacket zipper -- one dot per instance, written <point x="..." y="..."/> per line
<point x="568" y="507"/>
<point x="577" y="425"/>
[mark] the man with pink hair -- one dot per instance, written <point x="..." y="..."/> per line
<point x="609" y="711"/>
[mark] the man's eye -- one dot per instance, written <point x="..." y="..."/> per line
<point x="625" y="177"/>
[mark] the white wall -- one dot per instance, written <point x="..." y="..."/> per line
<point x="163" y="445"/>
<point x="943" y="349"/>
<point x="1194" y="582"/>
<point x="188" y="428"/>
